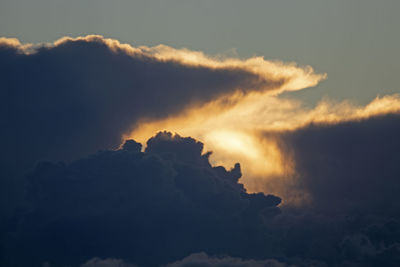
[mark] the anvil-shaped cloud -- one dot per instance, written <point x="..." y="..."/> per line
<point x="89" y="91"/>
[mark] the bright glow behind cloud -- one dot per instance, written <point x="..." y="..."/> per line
<point x="234" y="124"/>
<point x="235" y="129"/>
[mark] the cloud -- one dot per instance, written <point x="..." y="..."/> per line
<point x="202" y="259"/>
<point x="335" y="165"/>
<point x="340" y="200"/>
<point x="77" y="95"/>
<point x="97" y="262"/>
<point x="193" y="260"/>
<point x="73" y="97"/>
<point x="248" y="129"/>
<point x="126" y="204"/>
<point x="350" y="166"/>
<point x="170" y="202"/>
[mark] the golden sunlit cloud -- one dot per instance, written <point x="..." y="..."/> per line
<point x="297" y="77"/>
<point x="276" y="76"/>
<point x="236" y="129"/>
<point x="16" y="44"/>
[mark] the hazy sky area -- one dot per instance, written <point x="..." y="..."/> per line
<point x="355" y="42"/>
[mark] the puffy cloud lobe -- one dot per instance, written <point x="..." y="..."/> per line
<point x="126" y="204"/>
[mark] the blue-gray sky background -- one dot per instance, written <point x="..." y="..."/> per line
<point x="356" y="42"/>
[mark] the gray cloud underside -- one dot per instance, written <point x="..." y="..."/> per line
<point x="348" y="167"/>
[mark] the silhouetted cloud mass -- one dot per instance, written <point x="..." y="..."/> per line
<point x="72" y="196"/>
<point x="167" y="201"/>
<point x="164" y="204"/>
<point x="350" y="166"/>
<point x="350" y="177"/>
<point x="73" y="97"/>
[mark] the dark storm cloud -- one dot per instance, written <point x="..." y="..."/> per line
<point x="350" y="166"/>
<point x="147" y="208"/>
<point x="161" y="205"/>
<point x="350" y="173"/>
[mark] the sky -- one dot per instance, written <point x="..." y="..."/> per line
<point x="354" y="42"/>
<point x="199" y="133"/>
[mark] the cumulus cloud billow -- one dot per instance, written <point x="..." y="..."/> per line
<point x="126" y="207"/>
<point x="148" y="208"/>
